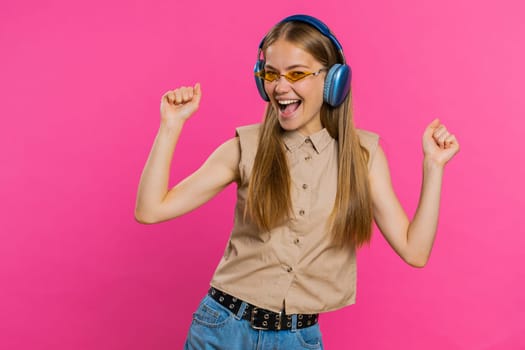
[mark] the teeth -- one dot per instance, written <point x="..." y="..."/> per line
<point x="287" y="102"/>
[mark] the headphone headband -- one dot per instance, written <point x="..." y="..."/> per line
<point x="317" y="24"/>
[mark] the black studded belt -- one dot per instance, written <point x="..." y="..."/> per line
<point x="261" y="318"/>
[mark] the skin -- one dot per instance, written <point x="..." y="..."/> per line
<point x="411" y="240"/>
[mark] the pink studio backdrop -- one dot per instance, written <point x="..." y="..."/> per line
<point x="80" y="86"/>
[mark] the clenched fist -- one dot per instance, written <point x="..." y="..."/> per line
<point x="439" y="145"/>
<point x="180" y="104"/>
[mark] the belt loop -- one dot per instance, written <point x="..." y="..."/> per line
<point x="240" y="313"/>
<point x="294" y="323"/>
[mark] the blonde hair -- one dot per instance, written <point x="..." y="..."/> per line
<point x="269" y="201"/>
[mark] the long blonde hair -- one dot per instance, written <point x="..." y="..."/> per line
<point x="269" y="201"/>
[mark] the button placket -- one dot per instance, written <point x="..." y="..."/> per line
<point x="302" y="185"/>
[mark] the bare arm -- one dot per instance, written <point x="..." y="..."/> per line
<point x="413" y="240"/>
<point x="155" y="202"/>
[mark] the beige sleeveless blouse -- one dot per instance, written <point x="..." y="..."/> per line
<point x="294" y="267"/>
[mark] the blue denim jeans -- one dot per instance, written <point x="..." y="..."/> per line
<point x="215" y="327"/>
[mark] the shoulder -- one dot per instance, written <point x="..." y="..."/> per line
<point x="227" y="153"/>
<point x="370" y="141"/>
<point x="248" y="137"/>
<point x="248" y="130"/>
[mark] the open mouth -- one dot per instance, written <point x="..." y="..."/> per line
<point x="288" y="106"/>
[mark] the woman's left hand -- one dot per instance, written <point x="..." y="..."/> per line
<point x="439" y="145"/>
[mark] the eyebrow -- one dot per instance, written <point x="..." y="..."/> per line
<point x="268" y="66"/>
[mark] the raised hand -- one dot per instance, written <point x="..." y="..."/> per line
<point x="180" y="104"/>
<point x="439" y="145"/>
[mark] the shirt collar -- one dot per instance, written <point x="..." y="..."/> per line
<point x="319" y="140"/>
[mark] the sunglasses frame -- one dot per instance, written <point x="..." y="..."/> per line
<point x="262" y="74"/>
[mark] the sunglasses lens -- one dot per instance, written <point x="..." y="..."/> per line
<point x="271" y="76"/>
<point x="296" y="75"/>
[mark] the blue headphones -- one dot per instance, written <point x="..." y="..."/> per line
<point x="337" y="81"/>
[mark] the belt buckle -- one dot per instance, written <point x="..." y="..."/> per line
<point x="267" y="327"/>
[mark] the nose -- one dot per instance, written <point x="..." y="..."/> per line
<point x="282" y="85"/>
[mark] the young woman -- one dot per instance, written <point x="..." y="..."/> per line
<point x="309" y="185"/>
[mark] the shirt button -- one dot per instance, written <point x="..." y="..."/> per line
<point x="307" y="158"/>
<point x="305" y="186"/>
<point x="289" y="269"/>
<point x="307" y="140"/>
<point x="301" y="212"/>
<point x="296" y="241"/>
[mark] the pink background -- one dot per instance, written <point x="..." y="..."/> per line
<point x="80" y="86"/>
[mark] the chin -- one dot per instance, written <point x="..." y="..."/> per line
<point x="288" y="125"/>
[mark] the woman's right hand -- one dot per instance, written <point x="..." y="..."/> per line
<point x="180" y="104"/>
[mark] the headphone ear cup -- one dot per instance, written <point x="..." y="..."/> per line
<point x="337" y="84"/>
<point x="259" y="82"/>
